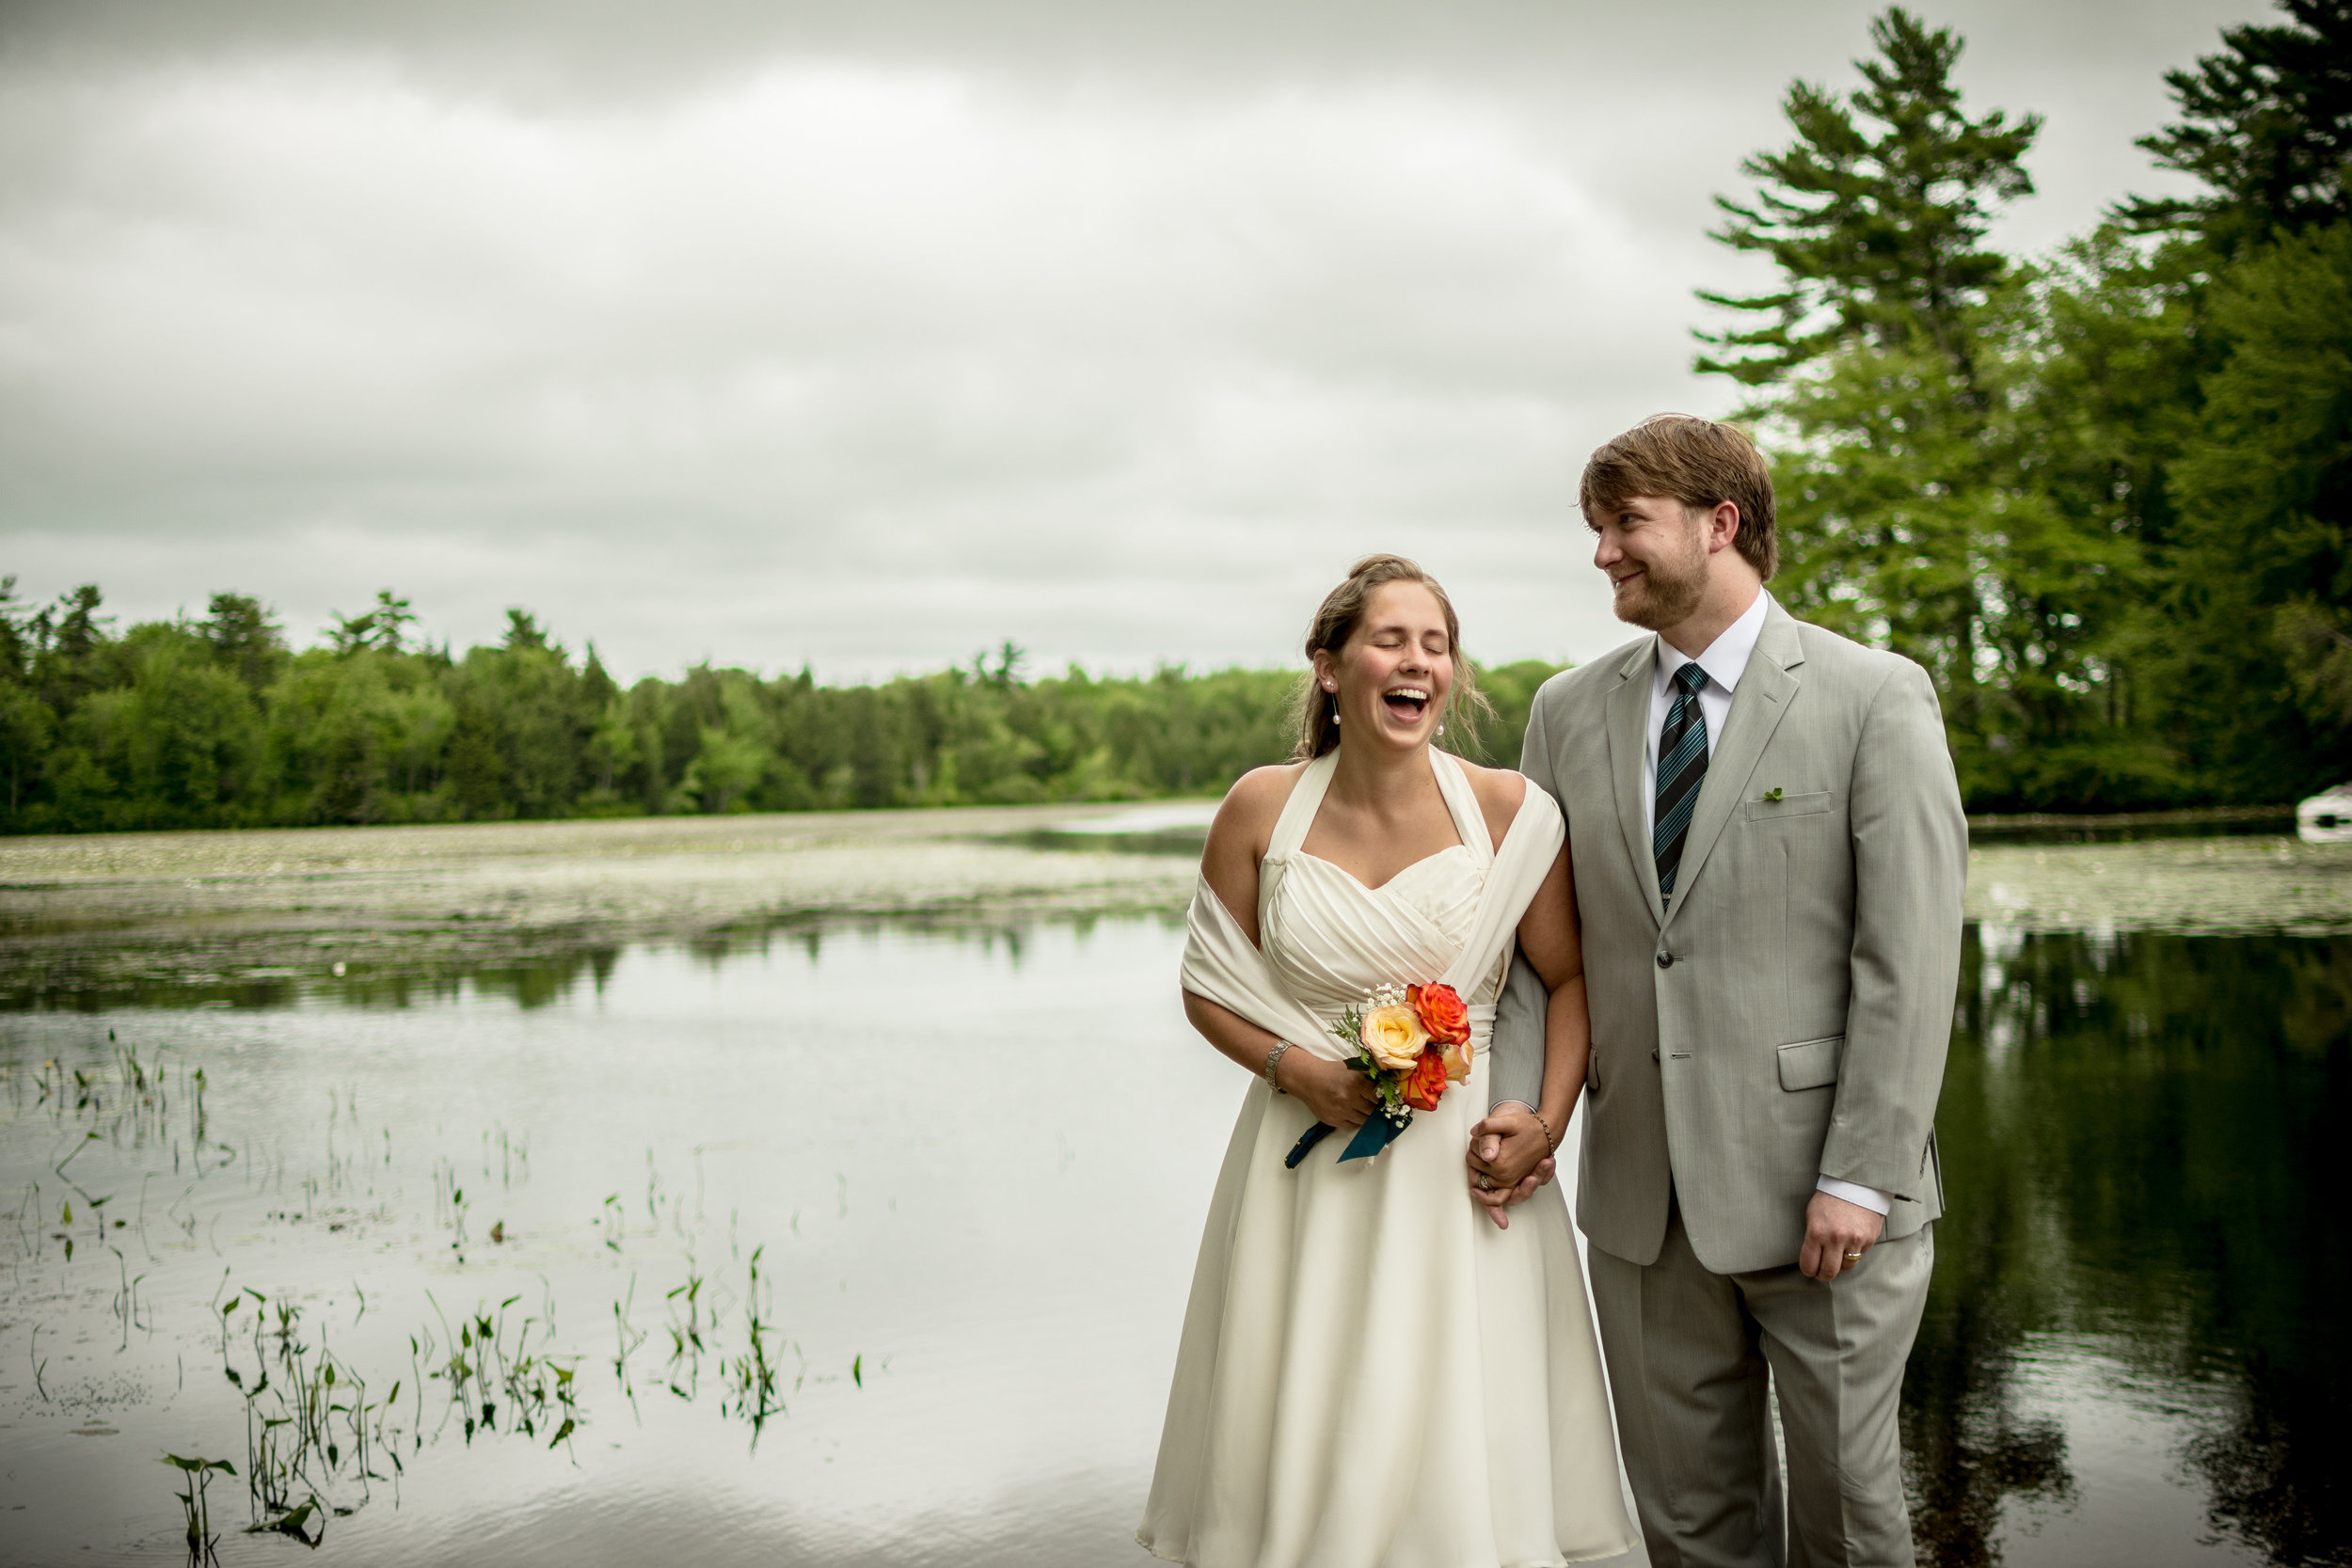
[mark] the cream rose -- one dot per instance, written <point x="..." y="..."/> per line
<point x="1394" y="1036"/>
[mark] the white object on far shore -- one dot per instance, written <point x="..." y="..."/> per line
<point x="2327" y="816"/>
<point x="1173" y="817"/>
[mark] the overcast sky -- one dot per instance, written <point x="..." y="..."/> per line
<point x="868" y="335"/>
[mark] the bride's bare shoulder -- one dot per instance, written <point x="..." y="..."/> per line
<point x="1499" y="792"/>
<point x="1248" y="814"/>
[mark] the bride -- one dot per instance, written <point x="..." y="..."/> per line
<point x="1370" y="1375"/>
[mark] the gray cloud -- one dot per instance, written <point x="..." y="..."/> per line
<point x="867" y="336"/>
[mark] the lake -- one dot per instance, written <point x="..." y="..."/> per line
<point x="862" y="1236"/>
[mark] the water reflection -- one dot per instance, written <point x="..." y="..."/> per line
<point x="2139" y="1134"/>
<point x="553" y="976"/>
<point x="2132" y="1352"/>
<point x="843" y="1243"/>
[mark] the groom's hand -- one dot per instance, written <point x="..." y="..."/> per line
<point x="1836" y="1234"/>
<point x="1491" y="1194"/>
<point x="1509" y="1158"/>
<point x="1508" y="1145"/>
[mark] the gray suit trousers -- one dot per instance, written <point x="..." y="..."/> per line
<point x="1690" y="1355"/>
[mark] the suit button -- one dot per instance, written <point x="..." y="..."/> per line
<point x="1653" y="1055"/>
<point x="1666" y="960"/>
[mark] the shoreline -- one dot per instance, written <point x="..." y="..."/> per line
<point x="98" y="913"/>
<point x="929" y="819"/>
<point x="2186" y="816"/>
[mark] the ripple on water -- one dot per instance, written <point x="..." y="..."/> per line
<point x="973" y="1162"/>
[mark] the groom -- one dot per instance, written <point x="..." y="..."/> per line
<point x="1768" y="852"/>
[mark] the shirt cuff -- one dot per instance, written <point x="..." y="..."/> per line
<point x="1855" y="1191"/>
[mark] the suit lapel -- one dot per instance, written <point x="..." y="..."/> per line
<point x="1766" y="689"/>
<point x="1629" y="718"/>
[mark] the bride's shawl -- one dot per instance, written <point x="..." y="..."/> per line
<point x="1224" y="966"/>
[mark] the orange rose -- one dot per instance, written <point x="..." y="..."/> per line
<point x="1441" y="1012"/>
<point x="1457" y="1063"/>
<point x="1426" y="1081"/>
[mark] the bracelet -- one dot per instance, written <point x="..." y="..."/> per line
<point x="1551" y="1144"/>
<point x="1271" y="1057"/>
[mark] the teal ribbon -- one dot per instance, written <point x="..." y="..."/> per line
<point x="1376" y="1133"/>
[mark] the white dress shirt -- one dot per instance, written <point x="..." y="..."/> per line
<point x="1726" y="659"/>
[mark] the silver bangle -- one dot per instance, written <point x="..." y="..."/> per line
<point x="1271" y="1057"/>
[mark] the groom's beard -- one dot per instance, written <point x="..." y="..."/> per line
<point x="1666" y="592"/>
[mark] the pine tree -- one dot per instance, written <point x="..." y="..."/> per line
<point x="2263" y="591"/>
<point x="2246" y="517"/>
<point x="2266" y="125"/>
<point x="1876" y="215"/>
<point x="1893" y="380"/>
<point x="245" y="638"/>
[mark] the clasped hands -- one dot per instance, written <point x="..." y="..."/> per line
<point x="1510" y="1156"/>
<point x="1509" y="1148"/>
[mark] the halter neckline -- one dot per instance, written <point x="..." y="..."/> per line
<point x="1453" y="786"/>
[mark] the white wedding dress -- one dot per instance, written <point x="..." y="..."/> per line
<point x="1372" y="1375"/>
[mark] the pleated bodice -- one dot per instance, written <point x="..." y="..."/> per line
<point x="1329" y="937"/>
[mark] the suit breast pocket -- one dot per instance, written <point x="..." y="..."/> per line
<point x="1772" y="806"/>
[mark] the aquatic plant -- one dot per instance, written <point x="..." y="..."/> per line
<point x="687" y="1333"/>
<point x="449" y="1204"/>
<point x="485" y="1374"/>
<point x="627" y="1337"/>
<point x="319" y="1433"/>
<point x="751" y="1376"/>
<point x="126" y="1301"/>
<point x="317" y="1415"/>
<point x="198" y="1508"/>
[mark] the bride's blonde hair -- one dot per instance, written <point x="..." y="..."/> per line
<point x="1341" y="613"/>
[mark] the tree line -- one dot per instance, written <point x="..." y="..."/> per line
<point x="215" y="722"/>
<point x="2103" y="496"/>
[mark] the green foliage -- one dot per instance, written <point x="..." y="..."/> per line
<point x="2103" y="500"/>
<point x="1876" y="214"/>
<point x="2265" y="554"/>
<point x="244" y="639"/>
<point x="216" y="723"/>
<point x="1511" y="687"/>
<point x="2267" y="126"/>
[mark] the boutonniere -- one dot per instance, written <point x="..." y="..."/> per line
<point x="1773" y="793"/>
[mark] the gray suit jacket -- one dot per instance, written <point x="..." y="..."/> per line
<point x="1788" y="1018"/>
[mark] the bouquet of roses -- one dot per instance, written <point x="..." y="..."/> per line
<point x="1411" y="1042"/>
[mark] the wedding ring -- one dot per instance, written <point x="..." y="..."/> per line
<point x="1486" y="1183"/>
<point x="1853" y="1258"/>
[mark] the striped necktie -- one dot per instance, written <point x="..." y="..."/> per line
<point x="1681" y="769"/>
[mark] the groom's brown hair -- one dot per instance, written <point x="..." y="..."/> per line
<point x="1699" y="463"/>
